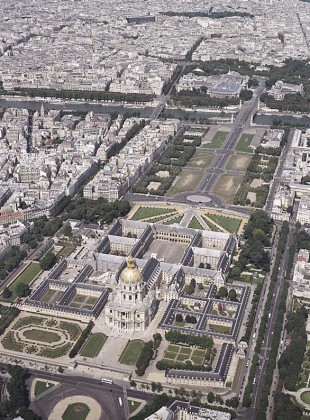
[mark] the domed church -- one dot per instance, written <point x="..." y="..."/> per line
<point x="131" y="305"/>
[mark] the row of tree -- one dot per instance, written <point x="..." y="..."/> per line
<point x="81" y="340"/>
<point x="247" y="397"/>
<point x="11" y="261"/>
<point x="176" y="337"/>
<point x="8" y="314"/>
<point x="144" y="358"/>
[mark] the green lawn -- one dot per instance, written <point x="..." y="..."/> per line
<point x="211" y="225"/>
<point x="176" y="220"/>
<point x="54" y="353"/>
<point x="66" y="251"/>
<point x="160" y="218"/>
<point x="305" y="397"/>
<point x="76" y="411"/>
<point x="40" y="335"/>
<point x="42" y="386"/>
<point x="48" y="295"/>
<point x="197" y="360"/>
<point x="10" y="344"/>
<point x="182" y="357"/>
<point x="228" y="223"/>
<point x="131" y="352"/>
<point x="185" y="350"/>
<point x="173" y="348"/>
<point x="28" y="321"/>
<point x="244" y="143"/>
<point x="93" y="345"/>
<point x="73" y="329"/>
<point x="147" y="212"/>
<point x="194" y="224"/>
<point x="26" y="276"/>
<point x="217" y="141"/>
<point x="221" y="329"/>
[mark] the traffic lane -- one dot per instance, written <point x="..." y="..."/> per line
<point x="109" y="403"/>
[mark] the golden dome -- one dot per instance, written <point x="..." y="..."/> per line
<point x="130" y="274"/>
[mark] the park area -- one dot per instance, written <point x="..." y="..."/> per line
<point x="244" y="144"/>
<point x="227" y="186"/>
<point x="26" y="277"/>
<point x="217" y="141"/>
<point x="238" y="163"/>
<point x="93" y="345"/>
<point x="187" y="181"/>
<point x="131" y="352"/>
<point x="201" y="159"/>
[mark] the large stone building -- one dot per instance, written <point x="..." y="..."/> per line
<point x="131" y="306"/>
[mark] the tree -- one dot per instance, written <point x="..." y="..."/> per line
<point x="201" y="265"/>
<point x="219" y="399"/>
<point x="153" y="386"/>
<point x="179" y="318"/>
<point x="232" y="402"/>
<point x="232" y="295"/>
<point x="235" y="272"/>
<point x="6" y="293"/>
<point x="223" y="292"/>
<point x="48" y="261"/>
<point x="210" y="397"/>
<point x="159" y="387"/>
<point x="22" y="290"/>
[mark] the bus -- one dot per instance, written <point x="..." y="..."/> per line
<point x="106" y="381"/>
<point x="120" y="401"/>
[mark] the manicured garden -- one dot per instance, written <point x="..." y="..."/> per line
<point x="93" y="345"/>
<point x="147" y="212"/>
<point x="185" y="356"/>
<point x="244" y="143"/>
<point x="305" y="397"/>
<point x="217" y="141"/>
<point x="131" y="352"/>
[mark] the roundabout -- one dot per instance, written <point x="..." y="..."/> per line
<point x="197" y="198"/>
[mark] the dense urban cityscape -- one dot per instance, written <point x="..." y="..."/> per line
<point x="154" y="210"/>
